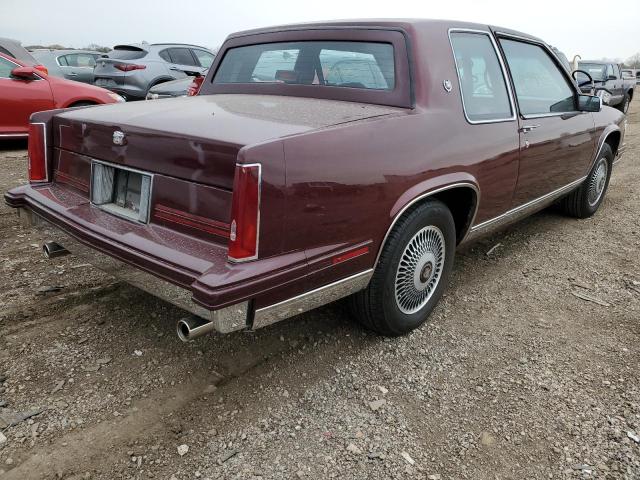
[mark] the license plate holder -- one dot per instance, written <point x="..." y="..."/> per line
<point x="122" y="191"/>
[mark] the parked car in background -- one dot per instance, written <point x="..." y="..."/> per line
<point x="131" y="70"/>
<point x="183" y="87"/>
<point x="75" y="65"/>
<point x="14" y="49"/>
<point x="318" y="162"/>
<point x="25" y="90"/>
<point x="615" y="90"/>
<point x="633" y="73"/>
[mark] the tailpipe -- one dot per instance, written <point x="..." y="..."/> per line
<point x="53" y="250"/>
<point x="192" y="327"/>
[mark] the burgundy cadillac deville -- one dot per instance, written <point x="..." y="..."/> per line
<point x="321" y="161"/>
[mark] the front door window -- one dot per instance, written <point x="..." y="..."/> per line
<point x="541" y="88"/>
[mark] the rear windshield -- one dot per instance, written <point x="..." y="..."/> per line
<point x="127" y="53"/>
<point x="366" y="65"/>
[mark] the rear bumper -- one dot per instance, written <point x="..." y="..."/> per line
<point x="225" y="320"/>
<point x="197" y="278"/>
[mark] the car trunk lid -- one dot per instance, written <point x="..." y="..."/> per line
<point x="198" y="139"/>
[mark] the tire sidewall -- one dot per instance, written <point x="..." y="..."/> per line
<point x="607" y="154"/>
<point x="624" y="106"/>
<point x="437" y="215"/>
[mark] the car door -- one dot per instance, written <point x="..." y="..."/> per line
<point x="77" y="66"/>
<point x="20" y="98"/>
<point x="619" y="82"/>
<point x="557" y="141"/>
<point x="182" y="60"/>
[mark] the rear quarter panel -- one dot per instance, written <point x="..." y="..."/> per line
<point x="345" y="185"/>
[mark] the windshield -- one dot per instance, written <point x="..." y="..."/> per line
<point x="596" y="70"/>
<point x="365" y="65"/>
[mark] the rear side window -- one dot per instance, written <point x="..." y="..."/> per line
<point x="181" y="56"/>
<point x="204" y="58"/>
<point x="366" y="65"/>
<point x="77" y="60"/>
<point x="540" y="85"/>
<point x="482" y="83"/>
<point x="127" y="53"/>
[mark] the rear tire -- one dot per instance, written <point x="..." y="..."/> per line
<point x="586" y="199"/>
<point x="412" y="272"/>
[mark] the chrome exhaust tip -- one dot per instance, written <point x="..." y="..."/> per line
<point x="53" y="250"/>
<point x="192" y="327"/>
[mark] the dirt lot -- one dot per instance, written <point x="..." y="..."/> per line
<point x="514" y="377"/>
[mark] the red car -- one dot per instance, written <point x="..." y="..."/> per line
<point x="25" y="90"/>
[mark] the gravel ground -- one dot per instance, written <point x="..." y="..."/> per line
<point x="517" y="375"/>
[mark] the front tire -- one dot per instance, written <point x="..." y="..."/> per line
<point x="624" y="105"/>
<point x="412" y="273"/>
<point x="585" y="201"/>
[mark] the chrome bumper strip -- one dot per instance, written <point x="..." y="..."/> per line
<point x="310" y="300"/>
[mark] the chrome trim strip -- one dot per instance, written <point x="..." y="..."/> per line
<point x="423" y="196"/>
<point x="225" y="320"/>
<point x="505" y="75"/>
<point x="553" y="114"/>
<point x="312" y="299"/>
<point x="254" y="257"/>
<point x="14" y="135"/>
<point x="525" y="209"/>
<point x="602" y="141"/>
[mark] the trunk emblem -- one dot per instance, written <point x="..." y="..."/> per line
<point x="119" y="138"/>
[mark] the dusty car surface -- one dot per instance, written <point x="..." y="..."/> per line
<point x="319" y="162"/>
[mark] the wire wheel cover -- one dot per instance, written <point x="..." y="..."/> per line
<point x="419" y="269"/>
<point x="597" y="182"/>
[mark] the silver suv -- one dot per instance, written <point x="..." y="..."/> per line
<point x="131" y="70"/>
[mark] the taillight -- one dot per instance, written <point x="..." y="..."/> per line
<point x="245" y="213"/>
<point x="37" y="153"/>
<point x="127" y="67"/>
<point x="194" y="86"/>
<point x="42" y="68"/>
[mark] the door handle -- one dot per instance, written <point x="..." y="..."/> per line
<point x="73" y="74"/>
<point x="528" y="128"/>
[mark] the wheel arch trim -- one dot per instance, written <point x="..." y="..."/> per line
<point x="610" y="130"/>
<point x="398" y="211"/>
